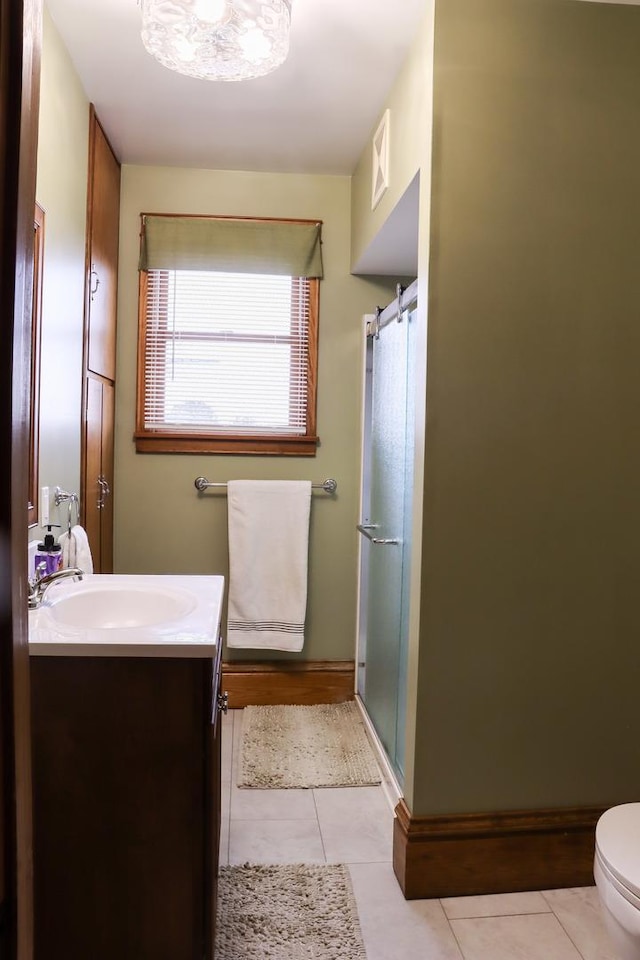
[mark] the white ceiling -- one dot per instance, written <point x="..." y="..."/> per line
<point x="312" y="115"/>
<point x="315" y="114"/>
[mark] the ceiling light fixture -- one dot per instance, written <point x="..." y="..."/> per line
<point x="217" y="39"/>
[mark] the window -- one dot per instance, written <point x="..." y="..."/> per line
<point x="227" y="358"/>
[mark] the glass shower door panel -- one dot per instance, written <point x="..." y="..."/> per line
<point x="403" y="657"/>
<point x="386" y="512"/>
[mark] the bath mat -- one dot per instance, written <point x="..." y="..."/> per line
<point x="296" y="912"/>
<point x="320" y="746"/>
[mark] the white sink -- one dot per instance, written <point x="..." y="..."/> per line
<point x="119" y="615"/>
<point x="113" y="607"/>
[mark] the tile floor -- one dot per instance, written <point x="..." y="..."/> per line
<point x="354" y="826"/>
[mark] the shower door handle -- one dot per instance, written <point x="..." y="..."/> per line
<point x="364" y="529"/>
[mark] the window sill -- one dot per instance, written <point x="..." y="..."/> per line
<point x="238" y="445"/>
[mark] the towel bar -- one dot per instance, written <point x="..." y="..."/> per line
<point x="201" y="483"/>
<point x="61" y="496"/>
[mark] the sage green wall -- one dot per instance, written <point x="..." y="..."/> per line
<point x="161" y="524"/>
<point x="62" y="191"/>
<point x="529" y="655"/>
<point x="410" y="103"/>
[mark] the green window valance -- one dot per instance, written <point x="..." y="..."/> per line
<point x="289" y="248"/>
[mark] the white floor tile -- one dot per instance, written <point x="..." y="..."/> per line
<point x="271" y="804"/>
<point x="495" y="905"/>
<point x="371" y="843"/>
<point x="348" y="804"/>
<point x="356" y="824"/>
<point x="275" y="841"/>
<point x="394" y="928"/>
<point x="578" y="910"/>
<point x="530" y="937"/>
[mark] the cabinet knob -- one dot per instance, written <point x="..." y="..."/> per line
<point x="104" y="491"/>
<point x="94" y="279"/>
<point x="223" y="702"/>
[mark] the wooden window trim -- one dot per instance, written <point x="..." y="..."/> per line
<point x="149" y="441"/>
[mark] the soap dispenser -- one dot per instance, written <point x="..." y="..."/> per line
<point x="49" y="554"/>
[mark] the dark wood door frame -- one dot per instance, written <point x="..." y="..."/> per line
<point x="20" y="44"/>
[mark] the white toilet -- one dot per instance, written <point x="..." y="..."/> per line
<point x="616" y="870"/>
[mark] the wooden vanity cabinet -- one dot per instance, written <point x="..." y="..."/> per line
<point x="126" y="767"/>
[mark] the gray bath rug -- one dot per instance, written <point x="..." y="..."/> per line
<point x="295" y="912"/>
<point x="320" y="746"/>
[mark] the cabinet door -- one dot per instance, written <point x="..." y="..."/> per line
<point x="92" y="467"/>
<point x="103" y="214"/>
<point x="119" y="748"/>
<point x="106" y="478"/>
<point x="97" y="485"/>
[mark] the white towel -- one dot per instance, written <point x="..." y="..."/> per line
<point x="76" y="551"/>
<point x="268" y="558"/>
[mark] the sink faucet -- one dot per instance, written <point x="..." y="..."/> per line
<point x="39" y="585"/>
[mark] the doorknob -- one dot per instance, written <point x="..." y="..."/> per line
<point x="364" y="528"/>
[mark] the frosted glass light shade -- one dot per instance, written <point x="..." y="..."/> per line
<point x="217" y="39"/>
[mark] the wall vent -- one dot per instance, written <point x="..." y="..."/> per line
<point x="380" y="166"/>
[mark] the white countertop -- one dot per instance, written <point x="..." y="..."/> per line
<point x="118" y="615"/>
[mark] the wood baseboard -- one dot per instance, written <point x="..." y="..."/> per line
<point x="304" y="682"/>
<point x="468" y="854"/>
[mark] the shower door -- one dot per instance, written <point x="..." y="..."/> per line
<point x="385" y="526"/>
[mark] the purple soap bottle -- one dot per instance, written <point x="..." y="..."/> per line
<point x="48" y="555"/>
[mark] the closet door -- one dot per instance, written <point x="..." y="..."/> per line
<point x="106" y="478"/>
<point x="103" y="215"/>
<point x="98" y="474"/>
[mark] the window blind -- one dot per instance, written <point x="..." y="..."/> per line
<point x="285" y="247"/>
<point x="225" y="353"/>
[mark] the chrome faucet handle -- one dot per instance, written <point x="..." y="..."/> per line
<point x="39" y="585"/>
<point x="39" y="572"/>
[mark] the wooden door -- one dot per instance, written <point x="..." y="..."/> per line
<point x="20" y="41"/>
